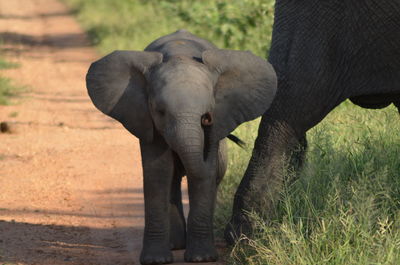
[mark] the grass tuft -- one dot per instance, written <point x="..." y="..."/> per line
<point x="7" y="90"/>
<point x="7" y="65"/>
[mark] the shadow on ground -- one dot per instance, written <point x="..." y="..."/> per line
<point x="55" y="14"/>
<point x="45" y="244"/>
<point x="72" y="40"/>
<point x="25" y="243"/>
<point x="28" y="243"/>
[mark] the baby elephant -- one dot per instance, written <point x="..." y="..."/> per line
<point x="181" y="97"/>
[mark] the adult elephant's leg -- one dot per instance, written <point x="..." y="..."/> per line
<point x="158" y="170"/>
<point x="177" y="218"/>
<point x="281" y="141"/>
<point x="263" y="179"/>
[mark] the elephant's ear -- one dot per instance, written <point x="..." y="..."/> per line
<point x="117" y="86"/>
<point x="244" y="90"/>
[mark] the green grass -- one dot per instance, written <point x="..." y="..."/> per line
<point x="7" y="88"/>
<point x="345" y="207"/>
<point x="13" y="114"/>
<point x="6" y="65"/>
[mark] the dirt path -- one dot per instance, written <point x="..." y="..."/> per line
<point x="70" y="178"/>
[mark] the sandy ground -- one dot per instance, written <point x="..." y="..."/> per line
<point x="70" y="178"/>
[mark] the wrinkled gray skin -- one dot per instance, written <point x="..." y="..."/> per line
<point x="324" y="52"/>
<point x="181" y="97"/>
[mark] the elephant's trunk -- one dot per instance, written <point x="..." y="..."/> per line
<point x="190" y="147"/>
<point x="193" y="147"/>
<point x="192" y="144"/>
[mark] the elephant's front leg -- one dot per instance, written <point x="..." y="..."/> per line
<point x="158" y="170"/>
<point x="200" y="238"/>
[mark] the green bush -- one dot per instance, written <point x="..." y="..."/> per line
<point x="133" y="24"/>
<point x="237" y="24"/>
<point x="126" y="24"/>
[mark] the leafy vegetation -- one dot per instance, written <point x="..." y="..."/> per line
<point x="131" y="24"/>
<point x="127" y="24"/>
<point x="345" y="207"/>
<point x="233" y="24"/>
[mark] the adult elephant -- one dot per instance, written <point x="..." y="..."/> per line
<point x="324" y="52"/>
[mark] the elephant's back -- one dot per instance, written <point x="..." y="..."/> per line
<point x="373" y="33"/>
<point x="347" y="26"/>
<point x="358" y="41"/>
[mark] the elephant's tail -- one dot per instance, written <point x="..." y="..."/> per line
<point x="237" y="140"/>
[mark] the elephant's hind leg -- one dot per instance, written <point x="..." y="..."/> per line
<point x="276" y="147"/>
<point x="279" y="149"/>
<point x="177" y="218"/>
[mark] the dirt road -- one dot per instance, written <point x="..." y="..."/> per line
<point x="70" y="178"/>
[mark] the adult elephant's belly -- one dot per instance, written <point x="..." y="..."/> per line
<point x="376" y="101"/>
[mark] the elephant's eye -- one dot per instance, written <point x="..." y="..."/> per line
<point x="206" y="119"/>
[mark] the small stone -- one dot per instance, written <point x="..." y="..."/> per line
<point x="5" y="127"/>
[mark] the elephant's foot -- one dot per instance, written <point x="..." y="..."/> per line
<point x="200" y="251"/>
<point x="156" y="254"/>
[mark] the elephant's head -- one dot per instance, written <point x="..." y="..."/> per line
<point x="192" y="103"/>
